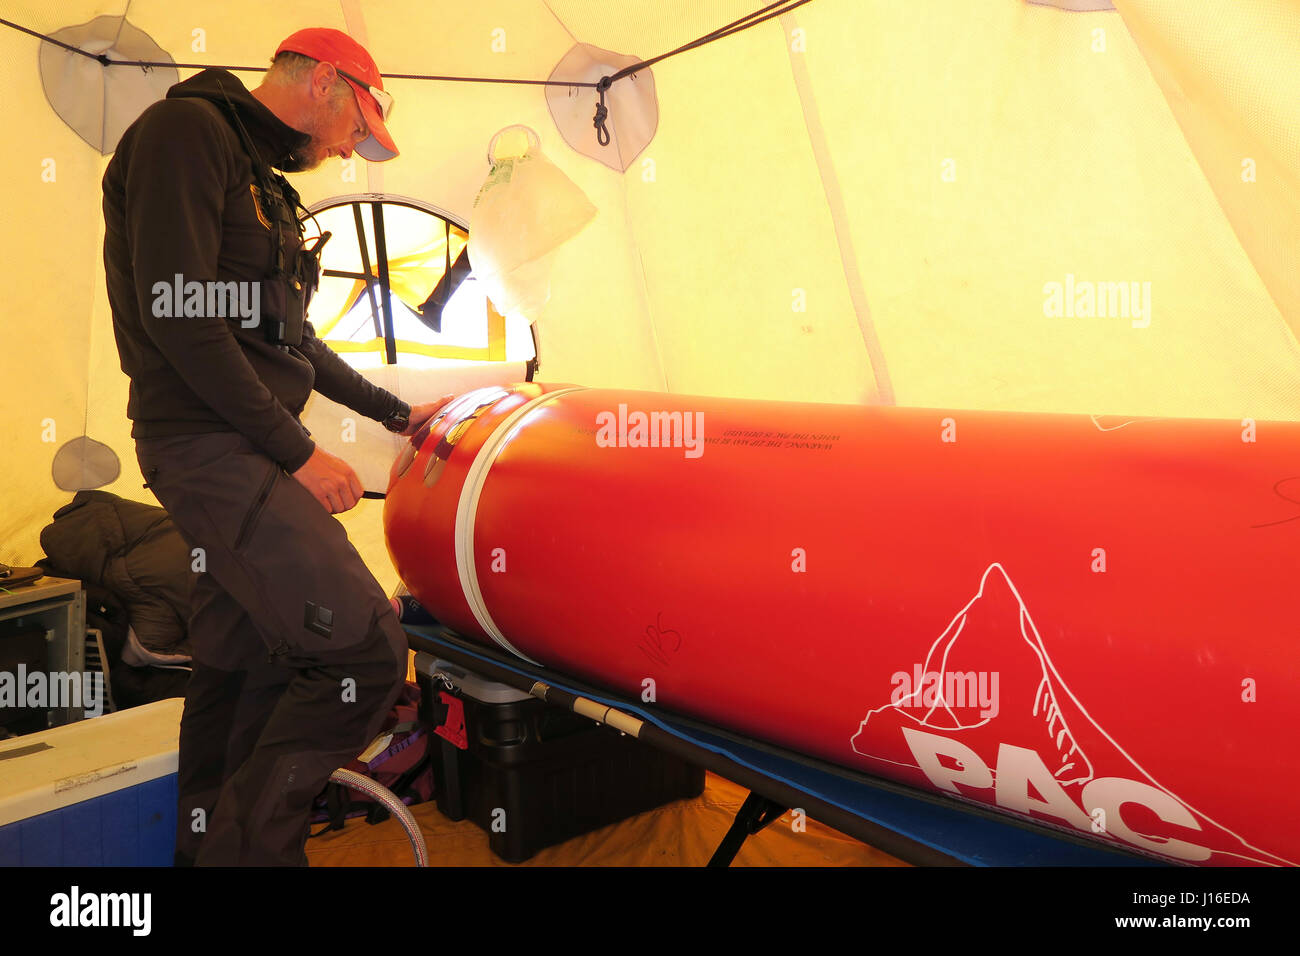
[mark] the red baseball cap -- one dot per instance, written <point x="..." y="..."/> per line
<point x="357" y="67"/>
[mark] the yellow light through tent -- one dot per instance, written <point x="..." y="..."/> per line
<point x="417" y="244"/>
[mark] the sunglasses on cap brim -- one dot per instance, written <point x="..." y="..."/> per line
<point x="382" y="99"/>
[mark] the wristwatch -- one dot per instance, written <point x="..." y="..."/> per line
<point x="400" y="420"/>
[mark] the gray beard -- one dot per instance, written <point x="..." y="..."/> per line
<point x="295" y="162"/>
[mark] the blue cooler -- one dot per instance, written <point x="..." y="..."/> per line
<point x="99" y="792"/>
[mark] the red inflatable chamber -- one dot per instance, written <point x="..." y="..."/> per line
<point x="1090" y="621"/>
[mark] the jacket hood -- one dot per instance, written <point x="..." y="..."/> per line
<point x="276" y="142"/>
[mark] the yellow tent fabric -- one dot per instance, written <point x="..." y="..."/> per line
<point x="961" y="203"/>
<point x="412" y="274"/>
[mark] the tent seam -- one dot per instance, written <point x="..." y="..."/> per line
<point x="839" y="221"/>
<point x="645" y="294"/>
<point x="1151" y="60"/>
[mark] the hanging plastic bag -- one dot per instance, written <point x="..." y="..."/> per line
<point x="524" y="211"/>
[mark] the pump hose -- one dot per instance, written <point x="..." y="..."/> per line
<point x="378" y="792"/>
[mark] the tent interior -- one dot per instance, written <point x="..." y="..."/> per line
<point x="845" y="201"/>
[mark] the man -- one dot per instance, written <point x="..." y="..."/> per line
<point x="297" y="653"/>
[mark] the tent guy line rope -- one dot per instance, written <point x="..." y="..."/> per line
<point x="102" y="58"/>
<point x="761" y="15"/>
<point x="601" y="86"/>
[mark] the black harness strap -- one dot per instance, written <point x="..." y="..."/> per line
<point x="295" y="267"/>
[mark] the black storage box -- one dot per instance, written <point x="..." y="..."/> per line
<point x="532" y="774"/>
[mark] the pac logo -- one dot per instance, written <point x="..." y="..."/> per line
<point x="1036" y="751"/>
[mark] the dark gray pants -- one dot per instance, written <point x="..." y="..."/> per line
<point x="298" y="656"/>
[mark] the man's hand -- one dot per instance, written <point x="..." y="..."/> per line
<point x="423" y="412"/>
<point x="330" y="480"/>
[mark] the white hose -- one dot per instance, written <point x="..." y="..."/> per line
<point x="377" y="791"/>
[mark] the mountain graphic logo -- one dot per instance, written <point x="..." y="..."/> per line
<point x="1038" y="753"/>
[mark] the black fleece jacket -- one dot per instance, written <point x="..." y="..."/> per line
<point x="177" y="200"/>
